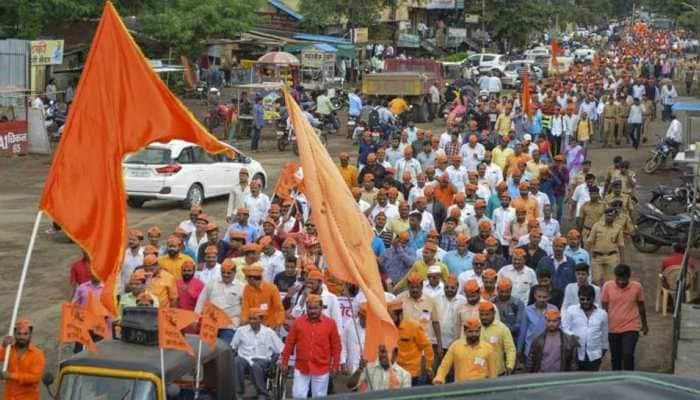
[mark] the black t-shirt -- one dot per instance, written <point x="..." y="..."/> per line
<point x="284" y="281"/>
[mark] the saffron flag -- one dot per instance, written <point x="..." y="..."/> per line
<point x="556" y="50"/>
<point x="213" y="319"/>
<point x="525" y="96"/>
<point x="121" y="106"/>
<point x="171" y="321"/>
<point x="287" y="181"/>
<point x="97" y="315"/>
<point x="75" y="326"/>
<point x="344" y="232"/>
<point x="189" y="76"/>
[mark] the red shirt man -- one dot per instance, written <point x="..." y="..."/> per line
<point x="80" y="271"/>
<point x="188" y="287"/>
<point x="676" y="258"/>
<point x="317" y="343"/>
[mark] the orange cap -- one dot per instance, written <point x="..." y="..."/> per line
<point x="153" y="231"/>
<point x="238" y="235"/>
<point x="552" y="314"/>
<point x="187" y="264"/>
<point x="523" y="186"/>
<point x="504" y="283"/>
<point x="573" y="234"/>
<point x="404" y="236"/>
<point x="430" y="246"/>
<point x="23" y="324"/>
<point x="471" y="286"/>
<point x="559" y="241"/>
<point x="484" y="224"/>
<point x="462" y="239"/>
<point x="415" y="277"/>
<point x="228" y="265"/>
<point x="491" y="241"/>
<point x="313" y="299"/>
<point x="150" y="260"/>
<point x="533" y="223"/>
<point x="254" y="247"/>
<point x="314" y="274"/>
<point x="486" y="306"/>
<point x="395" y="305"/>
<point x="428" y="191"/>
<point x="472" y="323"/>
<point x="253" y="270"/>
<point x="265" y="240"/>
<point x="452" y="279"/>
<point x="135" y="233"/>
<point x="480" y="257"/>
<point x="150" y="249"/>
<point x="173" y="241"/>
<point x="489" y="273"/>
<point x="256" y="312"/>
<point x="371" y="157"/>
<point x="518" y="252"/>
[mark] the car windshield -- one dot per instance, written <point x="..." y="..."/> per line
<point x="513" y="67"/>
<point x="149" y="155"/>
<point x="75" y="387"/>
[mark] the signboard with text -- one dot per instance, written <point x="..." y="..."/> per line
<point x="360" y="35"/>
<point x="408" y="40"/>
<point x="13" y="138"/>
<point x="455" y="37"/>
<point x="46" y="52"/>
<point x="315" y="58"/>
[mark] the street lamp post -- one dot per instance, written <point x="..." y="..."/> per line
<point x="483" y="26"/>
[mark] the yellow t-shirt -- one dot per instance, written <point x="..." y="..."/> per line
<point x="398" y="105"/>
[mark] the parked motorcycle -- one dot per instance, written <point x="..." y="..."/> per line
<point x="673" y="199"/>
<point x="55" y="119"/>
<point x="214" y="118"/>
<point x="656" y="228"/>
<point x="664" y="150"/>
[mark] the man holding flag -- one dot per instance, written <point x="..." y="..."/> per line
<point x="21" y="380"/>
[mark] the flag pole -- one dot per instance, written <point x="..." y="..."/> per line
<point x="162" y="371"/>
<point x="197" y="374"/>
<point x="20" y="287"/>
<point x="357" y="334"/>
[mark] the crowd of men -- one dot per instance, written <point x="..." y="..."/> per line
<point x="481" y="278"/>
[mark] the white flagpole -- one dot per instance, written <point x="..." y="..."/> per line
<point x="162" y="372"/>
<point x="199" y="362"/>
<point x="22" y="278"/>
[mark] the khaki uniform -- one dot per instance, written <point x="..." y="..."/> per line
<point x="629" y="182"/>
<point x="624" y="221"/>
<point x="623" y="111"/>
<point x="609" y="113"/>
<point x="624" y="198"/>
<point x="648" y="106"/>
<point x="590" y="214"/>
<point x="605" y="243"/>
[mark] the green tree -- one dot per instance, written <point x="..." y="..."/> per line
<point x="353" y="13"/>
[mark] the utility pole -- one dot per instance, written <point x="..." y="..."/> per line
<point x="483" y="26"/>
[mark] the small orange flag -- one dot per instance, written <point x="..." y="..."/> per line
<point x="75" y="326"/>
<point x="120" y="107"/>
<point x="189" y="77"/>
<point x="98" y="314"/>
<point x="287" y="182"/>
<point x="556" y="50"/>
<point x="344" y="232"/>
<point x="170" y="322"/>
<point x="213" y="319"/>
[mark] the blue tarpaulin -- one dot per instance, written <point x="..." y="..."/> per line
<point x="687" y="106"/>
<point x="321" y="38"/>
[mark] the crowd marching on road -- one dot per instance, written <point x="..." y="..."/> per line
<point x="481" y="278"/>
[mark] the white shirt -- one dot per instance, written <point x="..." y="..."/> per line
<point x="581" y="197"/>
<point x="557" y="125"/>
<point x="668" y="96"/>
<point x="449" y="309"/>
<point x="414" y="193"/>
<point x="351" y="351"/>
<point x="257" y="206"/>
<point x="467" y="275"/>
<point x="501" y="219"/>
<point x="545" y="243"/>
<point x="227" y="297"/>
<point x="412" y="166"/>
<point x="427" y="222"/>
<point x="273" y="264"/>
<point x="571" y="296"/>
<point x="494" y="175"/>
<point x="250" y="344"/>
<point x="433" y="292"/>
<point x="439" y="254"/>
<point x="193" y="244"/>
<point x="206" y="275"/>
<point x="522" y="280"/>
<point x="636" y="113"/>
<point x="361" y="298"/>
<point x="674" y="131"/>
<point x="457" y="177"/>
<point x="364" y="206"/>
<point x="495" y="85"/>
<point x="390" y="210"/>
<point x="236" y="198"/>
<point x="550" y="229"/>
<point x="592" y="332"/>
<point x="130" y="263"/>
<point x="472" y="156"/>
<point x="187" y="226"/>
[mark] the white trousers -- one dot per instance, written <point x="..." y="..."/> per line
<point x="300" y="386"/>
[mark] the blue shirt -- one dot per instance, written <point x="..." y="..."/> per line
<point x="251" y="232"/>
<point x="547" y="186"/>
<point x="457" y="263"/>
<point x="397" y="261"/>
<point x="259" y="114"/>
<point x="365" y="149"/>
<point x="513" y="189"/>
<point x="416" y="239"/>
<point x="532" y="323"/>
<point x="562" y="275"/>
<point x="493" y="204"/>
<point x="355" y="104"/>
<point x="377" y="246"/>
<point x="579" y="256"/>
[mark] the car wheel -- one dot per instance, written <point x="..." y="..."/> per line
<point x="194" y="196"/>
<point x="260" y="177"/>
<point x="135" y="202"/>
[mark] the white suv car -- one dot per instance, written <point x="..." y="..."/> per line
<point x="184" y="171"/>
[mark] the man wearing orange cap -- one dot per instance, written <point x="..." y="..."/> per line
<point x="457" y="173"/>
<point x="427" y="222"/>
<point x="255" y="345"/>
<point x="347" y="170"/>
<point x="533" y="250"/>
<point x="381" y="205"/>
<point x="553" y="350"/>
<point x="478" y="265"/>
<point x="497" y="334"/>
<point x="242" y="224"/>
<point x="421" y="308"/>
<point x="542" y="198"/>
<point x="408" y="164"/>
<point x="160" y="283"/>
<point x="436" y="208"/>
<point x="197" y="237"/>
<point x="494" y="260"/>
<point x="383" y="374"/>
<point x="188" y="287"/>
<point x="470" y="309"/>
<point x="501" y="153"/>
<point x="509" y="308"/>
<point x="413" y="346"/>
<point x="471" y="358"/>
<point x="227" y="294"/>
<point x="188" y="225"/>
<point x="488" y="282"/>
<point x="135" y="287"/>
<point x="482" y="228"/>
<point x="398" y="258"/>
<point x="238" y="193"/>
<point x="272" y="260"/>
<point x="153" y="235"/>
<point x="174" y="258"/>
<point x="459" y="259"/>
<point x="251" y="256"/>
<point x="502" y="217"/>
<point x="26" y="364"/>
<point x="559" y="265"/>
<point x="369" y="189"/>
<point x="133" y="255"/>
<point x="525" y="200"/>
<point x="214" y="240"/>
<point x="263" y="295"/>
<point x="521" y="276"/>
<point x="377" y="171"/>
<point x="314" y="339"/>
<point x="421" y="266"/>
<point x="449" y="303"/>
<point x="314" y="286"/>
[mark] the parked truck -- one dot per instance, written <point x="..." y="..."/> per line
<point x="410" y="79"/>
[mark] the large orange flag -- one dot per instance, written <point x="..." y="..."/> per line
<point x="121" y="106"/>
<point x="344" y="232"/>
<point x="213" y="319"/>
<point x="97" y="314"/>
<point x="171" y="321"/>
<point x="556" y="50"/>
<point x="75" y="326"/>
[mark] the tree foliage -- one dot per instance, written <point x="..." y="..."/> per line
<point x="353" y="13"/>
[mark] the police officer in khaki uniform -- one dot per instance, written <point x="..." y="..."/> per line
<point x="605" y="243"/>
<point x="609" y="113"/>
<point x="623" y="111"/>
<point x="612" y="173"/>
<point x="616" y="194"/>
<point x="628" y="179"/>
<point x="622" y="219"/>
<point x="591" y="212"/>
